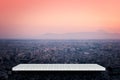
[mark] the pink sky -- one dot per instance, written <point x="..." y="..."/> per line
<point x="35" y="17"/>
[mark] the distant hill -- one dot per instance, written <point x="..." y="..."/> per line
<point x="82" y="35"/>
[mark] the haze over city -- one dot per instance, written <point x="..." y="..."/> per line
<point x="31" y="18"/>
<point x="60" y="32"/>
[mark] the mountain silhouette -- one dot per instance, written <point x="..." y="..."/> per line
<point x="82" y="35"/>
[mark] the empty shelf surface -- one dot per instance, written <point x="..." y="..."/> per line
<point x="58" y="67"/>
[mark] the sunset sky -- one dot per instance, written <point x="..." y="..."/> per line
<point x="27" y="18"/>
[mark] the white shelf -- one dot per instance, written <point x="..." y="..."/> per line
<point x="58" y="67"/>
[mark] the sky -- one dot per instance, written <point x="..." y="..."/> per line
<point x="28" y="18"/>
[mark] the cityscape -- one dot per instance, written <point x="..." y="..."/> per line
<point x="14" y="52"/>
<point x="60" y="32"/>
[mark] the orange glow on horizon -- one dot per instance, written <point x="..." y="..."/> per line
<point x="35" y="17"/>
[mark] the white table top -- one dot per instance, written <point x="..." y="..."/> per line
<point x="58" y="67"/>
